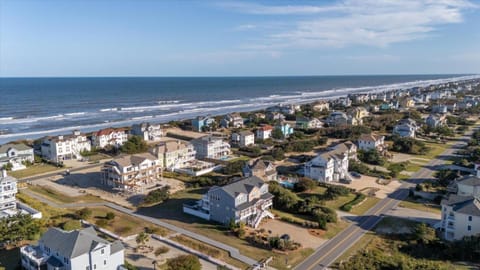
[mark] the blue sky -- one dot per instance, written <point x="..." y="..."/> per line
<point x="238" y="38"/>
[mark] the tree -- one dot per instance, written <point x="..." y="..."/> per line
<point x="110" y="216"/>
<point x="142" y="238"/>
<point x="278" y="153"/>
<point x="424" y="234"/>
<point x="304" y="184"/>
<point x="157" y="195"/>
<point x="371" y="157"/>
<point x="184" y="262"/>
<point x="134" y="145"/>
<point x="84" y="213"/>
<point x="277" y="134"/>
<point x="233" y="167"/>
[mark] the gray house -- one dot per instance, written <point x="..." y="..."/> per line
<point x="72" y="250"/>
<point x="246" y="200"/>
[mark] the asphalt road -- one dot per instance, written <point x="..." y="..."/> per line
<point x="326" y="254"/>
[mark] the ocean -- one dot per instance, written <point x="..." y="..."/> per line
<point x="34" y="107"/>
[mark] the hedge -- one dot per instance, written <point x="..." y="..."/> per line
<point x="348" y="206"/>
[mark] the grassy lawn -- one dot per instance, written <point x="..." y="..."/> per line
<point x="334" y="228"/>
<point x="365" y="205"/>
<point x="240" y="158"/>
<point x="358" y="246"/>
<point x="413" y="167"/>
<point x="286" y="261"/>
<point x="410" y="203"/>
<point x="209" y="250"/>
<point x="9" y="259"/>
<point x="56" y="196"/>
<point x="435" y="150"/>
<point x="97" y="157"/>
<point x="34" y="170"/>
<point x="337" y="203"/>
<point x="54" y="215"/>
<point x="122" y="224"/>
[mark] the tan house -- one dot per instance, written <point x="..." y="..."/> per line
<point x="131" y="173"/>
<point x="262" y="169"/>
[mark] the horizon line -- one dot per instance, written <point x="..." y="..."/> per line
<point x="233" y="76"/>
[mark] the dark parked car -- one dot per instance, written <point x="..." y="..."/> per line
<point x="355" y="174"/>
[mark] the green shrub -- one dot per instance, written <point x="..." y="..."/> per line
<point x="157" y="195"/>
<point x="161" y="250"/>
<point x="71" y="225"/>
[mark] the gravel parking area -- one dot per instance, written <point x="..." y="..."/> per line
<point x="365" y="182"/>
<point x="296" y="233"/>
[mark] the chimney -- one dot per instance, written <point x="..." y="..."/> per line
<point x="4" y="173"/>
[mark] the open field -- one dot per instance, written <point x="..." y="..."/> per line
<point x="56" y="196"/>
<point x="34" y="170"/>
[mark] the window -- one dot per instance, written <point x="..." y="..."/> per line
<point x="469" y="218"/>
<point x="94" y="266"/>
<point x="104" y="262"/>
<point x="469" y="228"/>
<point x="87" y="268"/>
<point x="103" y="251"/>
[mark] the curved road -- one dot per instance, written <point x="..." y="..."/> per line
<point x="328" y="253"/>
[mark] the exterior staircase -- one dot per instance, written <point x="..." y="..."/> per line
<point x="258" y="218"/>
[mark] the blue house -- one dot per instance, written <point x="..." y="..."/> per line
<point x="286" y="129"/>
<point x="201" y="121"/>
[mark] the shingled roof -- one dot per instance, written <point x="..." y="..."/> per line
<point x="71" y="244"/>
<point x="467" y="205"/>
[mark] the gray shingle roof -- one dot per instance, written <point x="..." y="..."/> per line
<point x="74" y="243"/>
<point x="468" y="205"/>
<point x="20" y="146"/>
<point x="243" y="186"/>
<point x="469" y="181"/>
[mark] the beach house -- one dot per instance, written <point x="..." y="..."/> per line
<point x="73" y="250"/>
<point x="131" y="173"/>
<point x="330" y="166"/>
<point x="15" y="155"/>
<point x="372" y="141"/>
<point x="115" y="137"/>
<point x="307" y="122"/>
<point x="264" y="132"/>
<point x="406" y="128"/>
<point x="460" y="217"/>
<point x="211" y="147"/>
<point x="262" y="169"/>
<point x="232" y="120"/>
<point x="436" y="120"/>
<point x="243" y="138"/>
<point x="285" y="128"/>
<point x="246" y="200"/>
<point x="202" y="123"/>
<point x="321" y="105"/>
<point x="59" y="148"/>
<point x="149" y="132"/>
<point x="174" y="154"/>
<point x="9" y="206"/>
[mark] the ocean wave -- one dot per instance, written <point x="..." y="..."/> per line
<point x="109" y="109"/>
<point x="178" y="111"/>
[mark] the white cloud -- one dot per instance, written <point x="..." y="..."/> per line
<point x="245" y="27"/>
<point x="376" y="23"/>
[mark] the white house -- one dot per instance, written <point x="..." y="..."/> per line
<point x="371" y="141"/>
<point x="8" y="190"/>
<point x="63" y="147"/>
<point x="73" y="250"/>
<point x="115" y="137"/>
<point x="149" y="132"/>
<point x="174" y="154"/>
<point x="232" y="120"/>
<point x="330" y="166"/>
<point x="406" y="128"/>
<point x="264" y="132"/>
<point x="460" y="217"/>
<point x="9" y="206"/>
<point x="15" y="154"/>
<point x="131" y="173"/>
<point x="321" y="105"/>
<point x="243" y="138"/>
<point x="211" y="147"/>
